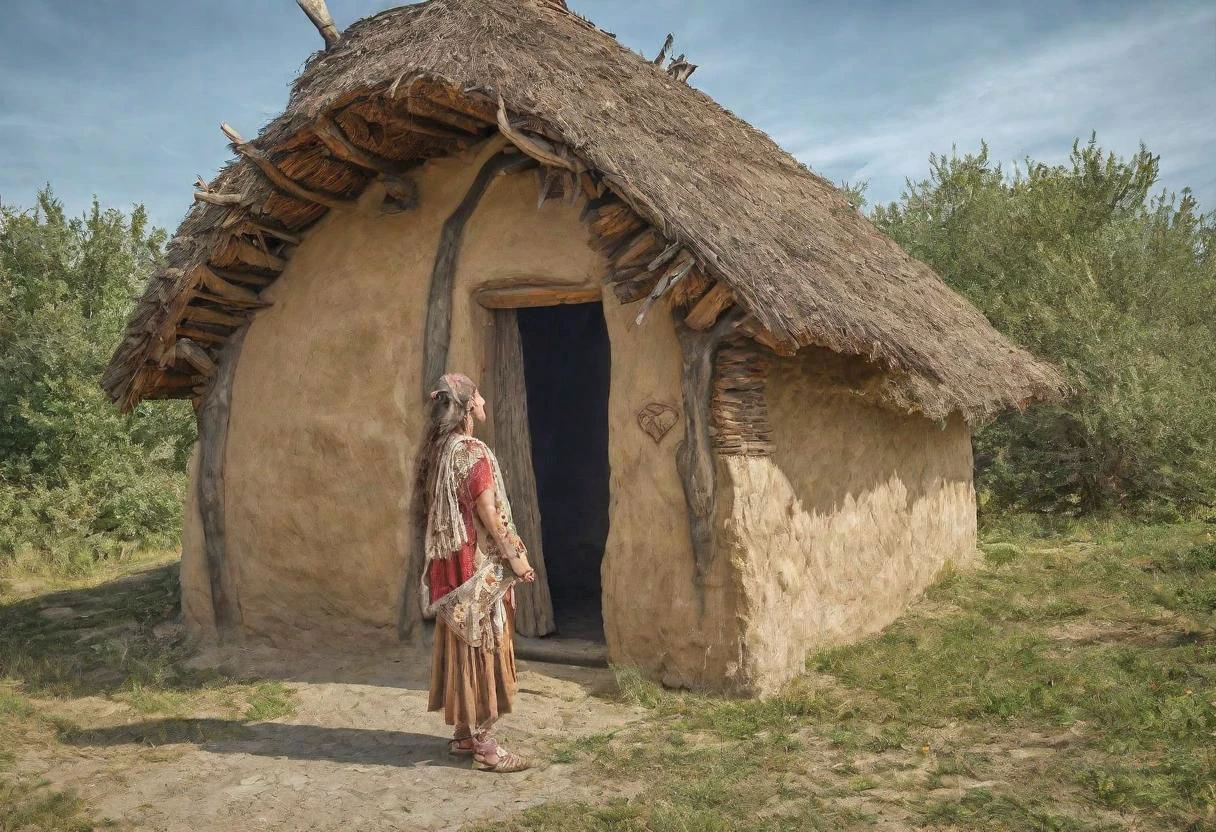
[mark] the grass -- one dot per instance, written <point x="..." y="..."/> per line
<point x="31" y="805"/>
<point x="111" y="635"/>
<point x="1067" y="684"/>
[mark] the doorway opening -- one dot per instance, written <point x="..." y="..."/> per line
<point x="567" y="365"/>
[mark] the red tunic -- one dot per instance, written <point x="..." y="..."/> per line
<point x="449" y="573"/>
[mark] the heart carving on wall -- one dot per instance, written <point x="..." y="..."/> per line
<point x="656" y="419"/>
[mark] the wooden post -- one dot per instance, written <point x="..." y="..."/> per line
<point x="534" y="604"/>
<point x="213" y="442"/>
<point x="443" y="274"/>
<point x="695" y="457"/>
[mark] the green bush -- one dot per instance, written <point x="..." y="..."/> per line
<point x="1079" y="263"/>
<point x="78" y="481"/>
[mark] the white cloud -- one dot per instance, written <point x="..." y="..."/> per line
<point x="1139" y="79"/>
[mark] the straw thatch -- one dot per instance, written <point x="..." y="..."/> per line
<point x="421" y="81"/>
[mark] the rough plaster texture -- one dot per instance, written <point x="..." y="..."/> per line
<point x="854" y="516"/>
<point x="325" y="420"/>
<point x="197" y="611"/>
<point x="654" y="616"/>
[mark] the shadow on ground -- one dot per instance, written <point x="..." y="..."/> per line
<point x="102" y="639"/>
<point x="270" y="739"/>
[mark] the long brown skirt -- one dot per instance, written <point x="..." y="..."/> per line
<point x="472" y="685"/>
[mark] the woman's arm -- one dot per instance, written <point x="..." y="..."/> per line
<point x="487" y="510"/>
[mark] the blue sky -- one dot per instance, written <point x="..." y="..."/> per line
<point x="123" y="98"/>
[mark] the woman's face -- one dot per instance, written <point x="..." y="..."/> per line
<point x="478" y="406"/>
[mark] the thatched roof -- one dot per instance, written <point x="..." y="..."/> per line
<point x="420" y="81"/>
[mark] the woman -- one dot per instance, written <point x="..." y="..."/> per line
<point x="473" y="559"/>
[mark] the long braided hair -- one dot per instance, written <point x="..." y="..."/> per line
<point x="448" y="408"/>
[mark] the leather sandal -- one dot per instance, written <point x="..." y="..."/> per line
<point x="505" y="762"/>
<point x="461" y="746"/>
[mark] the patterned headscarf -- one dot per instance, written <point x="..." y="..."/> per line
<point x="457" y="385"/>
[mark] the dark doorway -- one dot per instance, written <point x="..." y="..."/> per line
<point x="567" y="365"/>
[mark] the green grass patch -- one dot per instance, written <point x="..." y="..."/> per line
<point x="1085" y="642"/>
<point x="108" y="635"/>
<point x="1103" y="635"/>
<point x="33" y="806"/>
<point x="269" y="700"/>
<point x="100" y="638"/>
<point x="981" y="809"/>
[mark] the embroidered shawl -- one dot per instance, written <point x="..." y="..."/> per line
<point x="474" y="610"/>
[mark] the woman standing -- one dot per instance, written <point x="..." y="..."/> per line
<point x="474" y="557"/>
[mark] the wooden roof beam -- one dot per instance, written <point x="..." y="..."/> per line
<point x="708" y="308"/>
<point x="250" y="254"/>
<point x="410" y="124"/>
<point x="217" y="285"/>
<point x="537" y="148"/>
<point x="279" y="179"/>
<point x="204" y="315"/>
<point x="331" y="135"/>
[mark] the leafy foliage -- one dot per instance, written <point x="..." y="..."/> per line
<point x="78" y="481"/>
<point x="1082" y="265"/>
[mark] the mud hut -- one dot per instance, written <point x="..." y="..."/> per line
<point x="734" y="416"/>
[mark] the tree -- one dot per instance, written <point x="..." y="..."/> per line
<point x="77" y="480"/>
<point x="1082" y="265"/>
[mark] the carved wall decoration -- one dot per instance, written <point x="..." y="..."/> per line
<point x="656" y="419"/>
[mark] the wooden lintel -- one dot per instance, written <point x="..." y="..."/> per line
<point x="279" y="179"/>
<point x="528" y="295"/>
<point x="709" y="307"/>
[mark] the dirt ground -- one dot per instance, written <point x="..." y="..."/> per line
<point x="359" y="752"/>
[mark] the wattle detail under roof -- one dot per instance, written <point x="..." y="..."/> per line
<point x="691" y="205"/>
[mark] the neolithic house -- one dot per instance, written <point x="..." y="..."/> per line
<point x="733" y="415"/>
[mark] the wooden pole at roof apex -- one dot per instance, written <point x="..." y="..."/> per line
<point x="319" y="14"/>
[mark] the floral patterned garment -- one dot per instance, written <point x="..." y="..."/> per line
<point x="451" y="572"/>
<point x="468" y="588"/>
